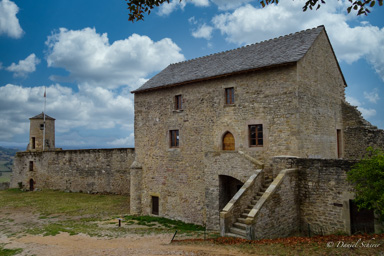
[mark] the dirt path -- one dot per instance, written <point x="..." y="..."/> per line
<point x="82" y="245"/>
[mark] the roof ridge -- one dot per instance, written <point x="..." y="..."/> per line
<point x="244" y="46"/>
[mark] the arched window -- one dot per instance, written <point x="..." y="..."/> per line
<point x="228" y="141"/>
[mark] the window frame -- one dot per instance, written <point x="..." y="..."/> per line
<point x="178" y="102"/>
<point x="256" y="139"/>
<point x="174" y="139"/>
<point x="230" y="96"/>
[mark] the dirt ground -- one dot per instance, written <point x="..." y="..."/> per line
<point x="133" y="244"/>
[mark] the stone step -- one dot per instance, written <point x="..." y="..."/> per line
<point x="260" y="193"/>
<point x="247" y="210"/>
<point x="244" y="215"/>
<point x="233" y="235"/>
<point x="241" y="220"/>
<point x="254" y="202"/>
<point x="237" y="231"/>
<point x="240" y="225"/>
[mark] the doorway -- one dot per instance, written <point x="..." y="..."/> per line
<point x="362" y="221"/>
<point x="228" y="187"/>
<point x="228" y="141"/>
<point x="31" y="185"/>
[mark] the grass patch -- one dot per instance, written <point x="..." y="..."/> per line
<point x="9" y="252"/>
<point x="167" y="223"/>
<point x="68" y="204"/>
<point x="5" y="177"/>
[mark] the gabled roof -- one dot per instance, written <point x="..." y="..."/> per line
<point x="275" y="52"/>
<point x="41" y="116"/>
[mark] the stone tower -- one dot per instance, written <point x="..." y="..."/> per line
<point x="36" y="133"/>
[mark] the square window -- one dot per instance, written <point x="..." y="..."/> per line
<point x="255" y="135"/>
<point x="174" y="138"/>
<point x="178" y="102"/>
<point x="230" y="96"/>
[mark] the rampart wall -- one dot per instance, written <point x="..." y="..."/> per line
<point x="85" y="170"/>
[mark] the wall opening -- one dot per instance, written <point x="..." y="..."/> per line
<point x="31" y="185"/>
<point x="339" y="144"/>
<point x="228" y="187"/>
<point x="31" y="166"/>
<point x="228" y="141"/>
<point x="33" y="142"/>
<point x="362" y="220"/>
<point x="155" y="205"/>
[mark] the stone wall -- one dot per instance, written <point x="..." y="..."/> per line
<point x="323" y="193"/>
<point x="4" y="185"/>
<point x="279" y="214"/>
<point x="86" y="170"/>
<point x="359" y="134"/>
<point x="320" y="94"/>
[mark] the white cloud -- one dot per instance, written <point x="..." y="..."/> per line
<point x="366" y="112"/>
<point x="167" y="8"/>
<point x="9" y="23"/>
<point x="204" y="31"/>
<point x="373" y="96"/>
<point x="248" y="24"/>
<point x="228" y="4"/>
<point x="90" y="109"/>
<point x="92" y="60"/>
<point x="25" y="66"/>
<point x="123" y="142"/>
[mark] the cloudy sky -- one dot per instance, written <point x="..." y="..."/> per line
<point x="89" y="57"/>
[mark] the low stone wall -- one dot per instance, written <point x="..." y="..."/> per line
<point x="86" y="170"/>
<point x="323" y="193"/>
<point x="4" y="186"/>
<point x="276" y="214"/>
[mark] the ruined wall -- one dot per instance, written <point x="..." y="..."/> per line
<point x="86" y="170"/>
<point x="359" y="134"/>
<point x="323" y="192"/>
<point x="320" y="93"/>
<point x="4" y="185"/>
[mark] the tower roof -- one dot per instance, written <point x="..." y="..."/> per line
<point x="41" y="116"/>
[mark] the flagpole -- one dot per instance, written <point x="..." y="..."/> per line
<point x="45" y="103"/>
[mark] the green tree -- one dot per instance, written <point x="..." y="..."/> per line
<point x="137" y="8"/>
<point x="367" y="176"/>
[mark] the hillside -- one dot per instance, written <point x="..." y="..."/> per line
<point x="6" y="158"/>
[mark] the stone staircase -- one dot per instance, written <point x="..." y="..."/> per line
<point x="238" y="228"/>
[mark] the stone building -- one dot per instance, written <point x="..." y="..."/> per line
<point x="224" y="140"/>
<point x="255" y="142"/>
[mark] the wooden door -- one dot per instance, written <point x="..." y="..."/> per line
<point x="361" y="220"/>
<point x="228" y="141"/>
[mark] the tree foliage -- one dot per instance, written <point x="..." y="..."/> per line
<point x="137" y="8"/>
<point x="367" y="176"/>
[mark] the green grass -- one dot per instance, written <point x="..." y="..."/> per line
<point x="9" y="252"/>
<point x="5" y="177"/>
<point x="167" y="223"/>
<point x="67" y="204"/>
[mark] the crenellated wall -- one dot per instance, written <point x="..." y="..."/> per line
<point x="85" y="170"/>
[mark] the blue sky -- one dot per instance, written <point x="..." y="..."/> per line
<point x="89" y="57"/>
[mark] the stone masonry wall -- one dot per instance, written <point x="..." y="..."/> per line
<point x="86" y="170"/>
<point x="359" y="134"/>
<point x="320" y="94"/>
<point x="279" y="215"/>
<point x="324" y="193"/>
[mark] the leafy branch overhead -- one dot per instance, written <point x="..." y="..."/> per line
<point x="137" y="8"/>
